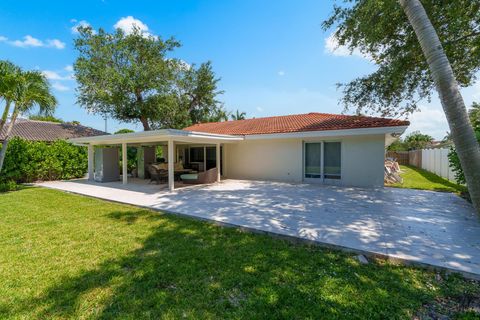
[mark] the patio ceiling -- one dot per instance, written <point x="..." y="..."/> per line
<point x="156" y="136"/>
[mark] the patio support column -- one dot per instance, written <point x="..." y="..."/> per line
<point x="218" y="162"/>
<point x="171" y="163"/>
<point x="91" y="156"/>
<point x="124" y="163"/>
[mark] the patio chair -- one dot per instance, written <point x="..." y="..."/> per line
<point x="209" y="176"/>
<point x="156" y="174"/>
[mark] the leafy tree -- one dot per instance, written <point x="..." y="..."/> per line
<point x="239" y="115"/>
<point x="131" y="78"/>
<point x="417" y="140"/>
<point x="31" y="89"/>
<point x="41" y="117"/>
<point x="131" y="152"/>
<point x="398" y="145"/>
<point x="124" y="131"/>
<point x="474" y="115"/>
<point x="412" y="52"/>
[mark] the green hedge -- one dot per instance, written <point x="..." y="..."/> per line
<point x="455" y="161"/>
<point x="28" y="161"/>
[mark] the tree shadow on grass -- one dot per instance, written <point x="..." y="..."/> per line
<point x="192" y="269"/>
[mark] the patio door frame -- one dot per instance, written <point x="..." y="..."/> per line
<point x="322" y="179"/>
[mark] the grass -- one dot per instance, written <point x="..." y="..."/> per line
<point x="68" y="256"/>
<point x="416" y="178"/>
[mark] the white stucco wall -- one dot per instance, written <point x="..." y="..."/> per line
<point x="282" y="160"/>
<point x="363" y="161"/>
<point x="265" y="160"/>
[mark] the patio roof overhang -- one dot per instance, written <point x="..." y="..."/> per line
<point x="156" y="136"/>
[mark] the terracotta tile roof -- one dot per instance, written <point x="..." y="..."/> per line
<point x="295" y="123"/>
<point x="48" y="131"/>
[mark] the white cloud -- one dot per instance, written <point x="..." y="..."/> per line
<point x="332" y="47"/>
<point x="59" y="87"/>
<point x="29" y="41"/>
<point x="429" y="120"/>
<point x="281" y="73"/>
<point x="128" y="23"/>
<point x="68" y="68"/>
<point x="55" y="43"/>
<point x="81" y="23"/>
<point x="3" y="39"/>
<point x="53" y="75"/>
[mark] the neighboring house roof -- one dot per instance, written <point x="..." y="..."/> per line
<point x="48" y="131"/>
<point x="295" y="123"/>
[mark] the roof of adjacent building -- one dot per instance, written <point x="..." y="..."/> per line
<point x="295" y="123"/>
<point x="48" y="131"/>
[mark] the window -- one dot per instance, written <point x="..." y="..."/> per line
<point x="322" y="160"/>
<point x="332" y="160"/>
<point x="196" y="154"/>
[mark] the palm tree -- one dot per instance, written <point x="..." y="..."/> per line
<point x="239" y="115"/>
<point x="32" y="89"/>
<point x="453" y="105"/>
<point x="8" y="78"/>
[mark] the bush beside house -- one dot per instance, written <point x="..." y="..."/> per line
<point x="28" y="161"/>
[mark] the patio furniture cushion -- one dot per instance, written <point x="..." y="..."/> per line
<point x="156" y="166"/>
<point x="163" y="166"/>
<point x="178" y="166"/>
<point x="189" y="176"/>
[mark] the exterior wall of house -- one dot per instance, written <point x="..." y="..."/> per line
<point x="264" y="160"/>
<point x="362" y="159"/>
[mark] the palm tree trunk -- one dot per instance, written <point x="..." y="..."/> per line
<point x="3" y="120"/>
<point x="3" y="151"/>
<point x="453" y="105"/>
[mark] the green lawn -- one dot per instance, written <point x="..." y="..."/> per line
<point x="68" y="256"/>
<point x="416" y="178"/>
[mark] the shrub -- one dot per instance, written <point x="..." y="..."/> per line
<point x="455" y="162"/>
<point x="8" y="185"/>
<point x="28" y="161"/>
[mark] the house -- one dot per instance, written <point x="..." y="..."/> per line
<point x="47" y="131"/>
<point x="315" y="148"/>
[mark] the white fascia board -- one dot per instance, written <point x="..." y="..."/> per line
<point x="155" y="136"/>
<point x="329" y="133"/>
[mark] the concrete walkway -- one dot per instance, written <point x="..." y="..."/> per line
<point x="433" y="228"/>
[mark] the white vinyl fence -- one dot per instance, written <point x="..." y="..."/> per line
<point x="436" y="161"/>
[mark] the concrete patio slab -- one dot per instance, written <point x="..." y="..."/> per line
<point x="424" y="227"/>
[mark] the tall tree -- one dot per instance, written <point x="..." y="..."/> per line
<point x="239" y="115"/>
<point x="132" y="78"/>
<point x="32" y="89"/>
<point x="9" y="75"/>
<point x="417" y="140"/>
<point x="403" y="41"/>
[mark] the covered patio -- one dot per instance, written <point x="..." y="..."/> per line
<point x="176" y="149"/>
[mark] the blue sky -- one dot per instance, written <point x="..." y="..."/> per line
<point x="272" y="56"/>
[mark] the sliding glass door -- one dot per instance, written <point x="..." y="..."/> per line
<point x="313" y="163"/>
<point x="322" y="160"/>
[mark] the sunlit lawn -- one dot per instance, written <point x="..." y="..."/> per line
<point x="416" y="178"/>
<point x="68" y="256"/>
